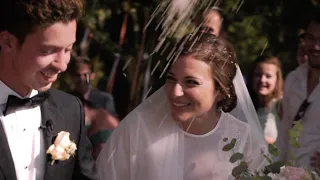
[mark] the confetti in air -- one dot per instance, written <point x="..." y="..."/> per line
<point x="189" y="126"/>
<point x="163" y="119"/>
<point x="127" y="64"/>
<point x="146" y="95"/>
<point x="264" y="48"/>
<point x="176" y="19"/>
<point x="111" y="156"/>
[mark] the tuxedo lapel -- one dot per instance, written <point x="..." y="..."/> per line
<point x="49" y="112"/>
<point x="6" y="161"/>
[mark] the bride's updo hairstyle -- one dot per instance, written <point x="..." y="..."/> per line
<point x="222" y="59"/>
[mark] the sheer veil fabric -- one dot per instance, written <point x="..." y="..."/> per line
<point x="149" y="145"/>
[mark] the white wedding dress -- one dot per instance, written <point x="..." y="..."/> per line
<point x="149" y="145"/>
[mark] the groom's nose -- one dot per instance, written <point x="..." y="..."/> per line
<point x="61" y="61"/>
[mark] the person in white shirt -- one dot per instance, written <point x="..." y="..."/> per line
<point x="301" y="102"/>
<point x="36" y="39"/>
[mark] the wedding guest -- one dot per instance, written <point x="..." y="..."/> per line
<point x="83" y="73"/>
<point x="266" y="92"/>
<point x="301" y="101"/>
<point x="99" y="106"/>
<point x="36" y="39"/>
<point x="214" y="21"/>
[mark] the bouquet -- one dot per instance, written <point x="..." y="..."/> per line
<point x="274" y="170"/>
<point x="295" y="173"/>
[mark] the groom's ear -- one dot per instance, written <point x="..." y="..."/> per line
<point x="7" y="41"/>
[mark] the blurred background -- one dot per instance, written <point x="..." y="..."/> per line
<point x="111" y="34"/>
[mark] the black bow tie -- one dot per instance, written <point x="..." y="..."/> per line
<point x="14" y="103"/>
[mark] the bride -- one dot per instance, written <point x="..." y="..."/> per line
<point x="179" y="132"/>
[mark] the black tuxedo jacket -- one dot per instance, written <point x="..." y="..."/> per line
<point x="66" y="114"/>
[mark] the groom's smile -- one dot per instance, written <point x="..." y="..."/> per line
<point x="49" y="78"/>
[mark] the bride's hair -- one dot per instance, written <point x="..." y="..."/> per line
<point x="217" y="53"/>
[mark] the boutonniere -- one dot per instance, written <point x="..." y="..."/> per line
<point x="62" y="148"/>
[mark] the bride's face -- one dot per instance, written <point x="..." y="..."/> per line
<point x="190" y="88"/>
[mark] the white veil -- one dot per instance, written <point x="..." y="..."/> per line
<point x="148" y="144"/>
<point x="245" y="110"/>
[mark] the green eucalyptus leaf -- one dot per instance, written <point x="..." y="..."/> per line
<point x="268" y="158"/>
<point x="273" y="150"/>
<point x="275" y="167"/>
<point x="228" y="147"/>
<point x="240" y="169"/>
<point x="292" y="159"/>
<point x="233" y="141"/>
<point x="243" y="163"/>
<point x="294" y="143"/>
<point x="293" y="134"/>
<point x="298" y="126"/>
<point x="235" y="157"/>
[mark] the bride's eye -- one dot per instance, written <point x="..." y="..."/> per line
<point x="170" y="78"/>
<point x="192" y="83"/>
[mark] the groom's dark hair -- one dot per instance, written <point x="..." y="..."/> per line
<point x="22" y="17"/>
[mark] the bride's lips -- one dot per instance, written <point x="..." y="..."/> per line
<point x="48" y="77"/>
<point x="180" y="105"/>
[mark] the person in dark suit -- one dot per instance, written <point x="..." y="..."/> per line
<point x="36" y="38"/>
<point x="99" y="106"/>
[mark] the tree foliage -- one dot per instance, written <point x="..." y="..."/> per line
<point x="255" y="27"/>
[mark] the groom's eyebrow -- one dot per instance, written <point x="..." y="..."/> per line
<point x="170" y="73"/>
<point x="48" y="45"/>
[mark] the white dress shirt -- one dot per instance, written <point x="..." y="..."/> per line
<point x="295" y="93"/>
<point x="24" y="137"/>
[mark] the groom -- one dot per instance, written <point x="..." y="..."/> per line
<point x="36" y="39"/>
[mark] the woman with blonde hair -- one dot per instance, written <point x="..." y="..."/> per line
<point x="266" y="91"/>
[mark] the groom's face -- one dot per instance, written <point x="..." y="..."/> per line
<point x="43" y="55"/>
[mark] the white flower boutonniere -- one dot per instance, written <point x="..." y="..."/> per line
<point x="62" y="148"/>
